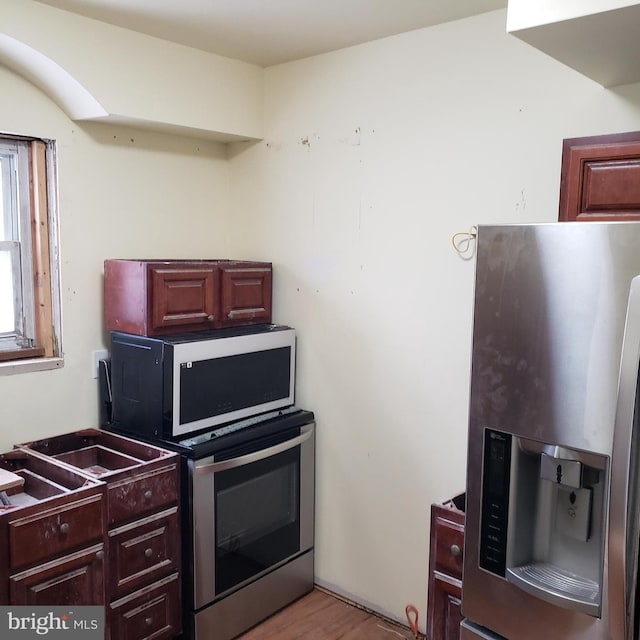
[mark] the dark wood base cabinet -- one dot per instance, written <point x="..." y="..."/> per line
<point x="75" y="579"/>
<point x="51" y="534"/>
<point x="96" y="523"/>
<point x="445" y="570"/>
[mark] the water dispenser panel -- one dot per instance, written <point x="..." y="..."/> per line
<point x="495" y="501"/>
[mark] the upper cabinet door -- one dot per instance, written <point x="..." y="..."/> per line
<point x="183" y="295"/>
<point x="245" y="293"/>
<point x="600" y="178"/>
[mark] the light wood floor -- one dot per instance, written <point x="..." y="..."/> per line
<point x="321" y="616"/>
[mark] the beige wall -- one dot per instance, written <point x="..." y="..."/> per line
<point x="373" y="158"/>
<point x="122" y="193"/>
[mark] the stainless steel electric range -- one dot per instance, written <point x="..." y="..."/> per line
<point x="247" y="521"/>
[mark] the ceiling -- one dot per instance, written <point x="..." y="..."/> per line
<point x="268" y="32"/>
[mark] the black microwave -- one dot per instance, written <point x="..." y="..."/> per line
<point x="169" y="386"/>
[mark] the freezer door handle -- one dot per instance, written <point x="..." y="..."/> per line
<point x="624" y="509"/>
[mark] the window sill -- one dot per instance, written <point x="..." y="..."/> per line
<point x="29" y="365"/>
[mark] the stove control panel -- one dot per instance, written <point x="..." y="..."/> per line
<point x="236" y="426"/>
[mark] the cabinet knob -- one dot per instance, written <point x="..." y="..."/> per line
<point x="147" y="494"/>
<point x="210" y="318"/>
<point x="148" y="621"/>
<point x="64" y="527"/>
<point x="455" y="550"/>
<point x="147" y="553"/>
<point x="99" y="555"/>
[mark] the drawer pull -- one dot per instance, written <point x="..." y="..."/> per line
<point x="64" y="527"/>
<point x="147" y="494"/>
<point x="147" y="553"/>
<point x="148" y="621"/>
<point x="210" y="318"/>
<point x="99" y="555"/>
<point x="455" y="550"/>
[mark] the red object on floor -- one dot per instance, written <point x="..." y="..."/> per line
<point x="412" y="619"/>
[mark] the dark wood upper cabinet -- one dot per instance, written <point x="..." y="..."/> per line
<point x="600" y="178"/>
<point x="158" y="297"/>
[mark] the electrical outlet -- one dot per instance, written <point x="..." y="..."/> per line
<point x="96" y="356"/>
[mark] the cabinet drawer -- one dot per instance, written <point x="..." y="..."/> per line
<point x="54" y="531"/>
<point x="143" y="551"/>
<point x="449" y="544"/>
<point x="443" y="621"/>
<point x="141" y="494"/>
<point x="73" y="580"/>
<point x="152" y="612"/>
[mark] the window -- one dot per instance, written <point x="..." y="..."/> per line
<point x="29" y="290"/>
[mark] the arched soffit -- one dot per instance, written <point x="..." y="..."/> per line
<point x="51" y="78"/>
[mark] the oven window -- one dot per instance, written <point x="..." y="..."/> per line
<point x="257" y="517"/>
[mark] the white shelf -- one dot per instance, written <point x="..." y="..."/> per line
<point x="602" y="44"/>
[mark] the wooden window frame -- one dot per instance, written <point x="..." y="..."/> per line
<point x="45" y="350"/>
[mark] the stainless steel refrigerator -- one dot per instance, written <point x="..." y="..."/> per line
<point x="552" y="513"/>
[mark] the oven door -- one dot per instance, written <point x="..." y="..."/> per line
<point x="253" y="510"/>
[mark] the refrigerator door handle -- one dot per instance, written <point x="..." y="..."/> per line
<point x="624" y="510"/>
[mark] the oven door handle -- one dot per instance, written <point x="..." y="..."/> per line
<point x="214" y="467"/>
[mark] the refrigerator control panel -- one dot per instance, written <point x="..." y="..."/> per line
<point x="495" y="501"/>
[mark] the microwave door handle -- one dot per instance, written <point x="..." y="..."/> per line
<point x="214" y="467"/>
<point x="624" y="510"/>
